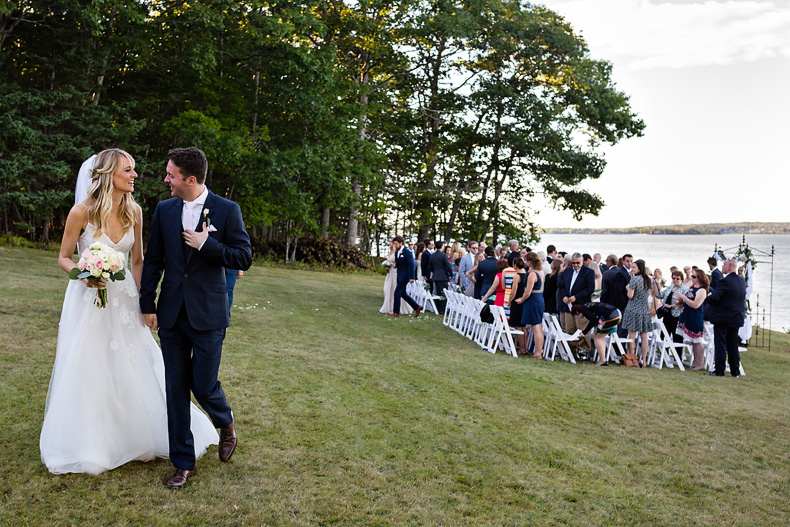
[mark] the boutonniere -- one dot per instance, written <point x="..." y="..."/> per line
<point x="209" y="227"/>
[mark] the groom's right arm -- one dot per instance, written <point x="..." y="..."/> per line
<point x="153" y="264"/>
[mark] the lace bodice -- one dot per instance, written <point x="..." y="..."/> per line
<point x="124" y="245"/>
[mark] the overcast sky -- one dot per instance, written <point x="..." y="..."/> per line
<point x="711" y="80"/>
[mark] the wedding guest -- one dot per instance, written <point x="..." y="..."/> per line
<point x="512" y="252"/>
<point x="691" y="323"/>
<point x="673" y="306"/>
<point x="715" y="274"/>
<point x="544" y="262"/>
<point x="472" y="289"/>
<point x="498" y="285"/>
<point x="725" y="307"/>
<point x="429" y="250"/>
<point x="596" y="295"/>
<point x="598" y="314"/>
<point x="532" y="301"/>
<point x="551" y="253"/>
<point x="486" y="272"/>
<point x="577" y="285"/>
<point x="418" y="258"/>
<point x="687" y="281"/>
<point x="457" y="252"/>
<point x="636" y="318"/>
<point x="231" y="275"/>
<point x="516" y="308"/>
<point x="550" y="289"/>
<point x="658" y="280"/>
<point x="440" y="271"/>
<point x="467" y="262"/>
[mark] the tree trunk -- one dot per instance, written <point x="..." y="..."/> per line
<point x="353" y="212"/>
<point x="325" y="215"/>
<point x="105" y="59"/>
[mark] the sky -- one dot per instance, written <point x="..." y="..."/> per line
<point x="711" y="80"/>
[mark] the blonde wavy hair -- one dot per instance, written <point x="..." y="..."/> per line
<point x="99" y="200"/>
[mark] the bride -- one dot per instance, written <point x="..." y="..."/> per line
<point x="106" y="400"/>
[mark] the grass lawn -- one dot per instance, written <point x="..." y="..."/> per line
<point x="348" y="417"/>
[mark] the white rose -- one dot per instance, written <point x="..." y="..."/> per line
<point x="96" y="273"/>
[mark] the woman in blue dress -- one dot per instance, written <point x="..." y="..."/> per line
<point x="533" y="304"/>
<point x="691" y="324"/>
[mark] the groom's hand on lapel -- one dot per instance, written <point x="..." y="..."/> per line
<point x="196" y="239"/>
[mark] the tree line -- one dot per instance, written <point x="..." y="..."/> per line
<point x="323" y="118"/>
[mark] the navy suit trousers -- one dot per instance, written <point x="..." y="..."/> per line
<point x="725" y="341"/>
<point x="400" y="292"/>
<point x="192" y="360"/>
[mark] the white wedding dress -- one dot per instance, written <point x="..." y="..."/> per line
<point x="106" y="401"/>
<point x="390" y="283"/>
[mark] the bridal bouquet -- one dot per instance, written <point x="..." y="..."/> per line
<point x="98" y="263"/>
<point x="386" y="263"/>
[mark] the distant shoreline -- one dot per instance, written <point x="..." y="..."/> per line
<point x="708" y="228"/>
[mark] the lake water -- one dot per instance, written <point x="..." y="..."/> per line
<point x="663" y="251"/>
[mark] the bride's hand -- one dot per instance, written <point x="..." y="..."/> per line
<point x="149" y="319"/>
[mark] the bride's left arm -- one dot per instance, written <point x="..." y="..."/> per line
<point x="137" y="248"/>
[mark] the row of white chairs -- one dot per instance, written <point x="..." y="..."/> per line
<point x="462" y="314"/>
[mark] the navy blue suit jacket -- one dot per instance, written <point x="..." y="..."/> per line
<point x="715" y="277"/>
<point x="613" y="288"/>
<point x="194" y="279"/>
<point x="439" y="267"/>
<point x="485" y="275"/>
<point x="725" y="305"/>
<point x="582" y="288"/>
<point x="405" y="265"/>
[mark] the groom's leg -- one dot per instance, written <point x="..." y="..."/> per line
<point x="207" y="348"/>
<point x="176" y="352"/>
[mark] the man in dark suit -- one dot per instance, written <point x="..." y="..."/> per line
<point x="613" y="290"/>
<point x="485" y="273"/>
<point x="424" y="262"/>
<point x="440" y="271"/>
<point x="628" y="261"/>
<point x="578" y="284"/>
<point x="405" y="267"/>
<point x="613" y="285"/>
<point x="194" y="237"/>
<point x="512" y="252"/>
<point x="715" y="274"/>
<point x="725" y="307"/>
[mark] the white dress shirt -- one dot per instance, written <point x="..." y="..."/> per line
<point x="192" y="212"/>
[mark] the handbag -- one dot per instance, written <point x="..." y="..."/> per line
<point x="630" y="359"/>
<point x="611" y="322"/>
<point x="485" y="317"/>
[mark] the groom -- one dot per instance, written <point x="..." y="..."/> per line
<point x="194" y="237"/>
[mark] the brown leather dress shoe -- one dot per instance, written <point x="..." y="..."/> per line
<point x="227" y="442"/>
<point x="417" y="311"/>
<point x="179" y="478"/>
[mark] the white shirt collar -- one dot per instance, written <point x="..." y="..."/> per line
<point x="199" y="201"/>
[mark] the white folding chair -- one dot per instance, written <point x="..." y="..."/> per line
<point x="665" y="348"/>
<point x="616" y="347"/>
<point x="502" y="333"/>
<point x="548" y="341"/>
<point x="560" y="341"/>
